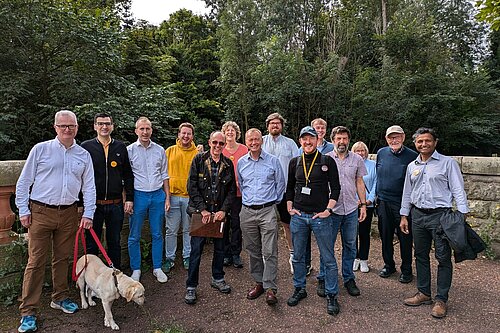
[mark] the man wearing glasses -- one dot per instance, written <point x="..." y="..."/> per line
<point x="284" y="149"/>
<point x="391" y="169"/>
<point x="212" y="189"/>
<point x="113" y="175"/>
<point x="46" y="194"/>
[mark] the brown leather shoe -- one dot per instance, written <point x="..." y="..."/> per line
<point x="418" y="299"/>
<point x="255" y="292"/>
<point x="271" y="298"/>
<point x="439" y="309"/>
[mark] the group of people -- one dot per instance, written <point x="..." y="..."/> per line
<point x="318" y="188"/>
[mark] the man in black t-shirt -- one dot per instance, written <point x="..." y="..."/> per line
<point x="312" y="191"/>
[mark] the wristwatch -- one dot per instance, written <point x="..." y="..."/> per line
<point x="330" y="210"/>
<point x="363" y="204"/>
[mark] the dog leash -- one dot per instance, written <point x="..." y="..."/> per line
<point x="81" y="233"/>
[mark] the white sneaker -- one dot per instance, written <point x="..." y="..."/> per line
<point x="160" y="276"/>
<point x="291" y="263"/>
<point x="136" y="275"/>
<point x="355" y="265"/>
<point x="363" y="266"/>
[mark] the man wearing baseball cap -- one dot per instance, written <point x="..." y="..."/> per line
<point x="313" y="189"/>
<point x="391" y="169"/>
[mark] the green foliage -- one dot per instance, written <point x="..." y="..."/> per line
<point x="489" y="11"/>
<point x="12" y="263"/>
<point x="360" y="63"/>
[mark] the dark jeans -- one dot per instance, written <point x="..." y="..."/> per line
<point x="197" y="244"/>
<point x="388" y="223"/>
<point x="111" y="215"/>
<point x="424" y="232"/>
<point x="364" y="229"/>
<point x="232" y="233"/>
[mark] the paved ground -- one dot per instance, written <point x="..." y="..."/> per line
<point x="474" y="305"/>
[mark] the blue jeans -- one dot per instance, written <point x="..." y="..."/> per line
<point x="176" y="217"/>
<point x="197" y="244"/>
<point x="144" y="203"/>
<point x="111" y="215"/>
<point x="348" y="225"/>
<point x="323" y="230"/>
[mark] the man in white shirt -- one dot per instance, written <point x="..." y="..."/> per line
<point x="151" y="196"/>
<point x="284" y="149"/>
<point x="46" y="195"/>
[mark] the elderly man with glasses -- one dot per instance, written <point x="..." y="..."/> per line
<point x="212" y="189"/>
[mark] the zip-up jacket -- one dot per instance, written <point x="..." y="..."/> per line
<point x="111" y="175"/>
<point x="200" y="185"/>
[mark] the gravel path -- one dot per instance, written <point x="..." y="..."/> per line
<point x="474" y="304"/>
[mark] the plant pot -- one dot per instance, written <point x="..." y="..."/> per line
<point x="7" y="216"/>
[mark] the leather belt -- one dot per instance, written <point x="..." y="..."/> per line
<point x="108" y="202"/>
<point x="255" y="207"/>
<point x="432" y="210"/>
<point x="60" y="207"/>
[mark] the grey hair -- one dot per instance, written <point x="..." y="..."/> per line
<point x="65" y="113"/>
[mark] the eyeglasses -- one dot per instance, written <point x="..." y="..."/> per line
<point x="275" y="123"/>
<point x="63" y="127"/>
<point x="107" y="123"/>
<point x="220" y="143"/>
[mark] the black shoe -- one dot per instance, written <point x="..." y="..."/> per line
<point x="332" y="305"/>
<point x="352" y="289"/>
<point x="228" y="261"/>
<point x="320" y="288"/>
<point x="190" y="297"/>
<point x="386" y="272"/>
<point x="405" y="278"/>
<point x="298" y="294"/>
<point x="237" y="262"/>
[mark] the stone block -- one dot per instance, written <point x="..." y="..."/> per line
<point x="480" y="209"/>
<point x="482" y="190"/>
<point x="10" y="171"/>
<point x="495" y="211"/>
<point x="481" y="165"/>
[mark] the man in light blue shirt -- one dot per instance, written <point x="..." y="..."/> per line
<point x="284" y="149"/>
<point x="431" y="184"/>
<point x="151" y="194"/>
<point x="262" y="184"/>
<point x="46" y="194"/>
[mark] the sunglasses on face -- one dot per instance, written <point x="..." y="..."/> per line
<point x="218" y="143"/>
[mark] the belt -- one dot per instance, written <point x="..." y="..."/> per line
<point x="60" y="207"/>
<point x="255" y="207"/>
<point x="432" y="210"/>
<point x="108" y="202"/>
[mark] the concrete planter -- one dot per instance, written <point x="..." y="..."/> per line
<point x="7" y="216"/>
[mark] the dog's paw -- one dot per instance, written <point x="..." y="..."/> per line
<point x="85" y="305"/>
<point x="111" y="324"/>
<point x="92" y="303"/>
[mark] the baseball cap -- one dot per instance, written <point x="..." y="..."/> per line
<point x="394" y="129"/>
<point x="308" y="130"/>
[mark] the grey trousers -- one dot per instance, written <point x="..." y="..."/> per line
<point x="259" y="229"/>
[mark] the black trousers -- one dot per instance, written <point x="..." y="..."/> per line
<point x="388" y="224"/>
<point x="364" y="229"/>
<point x="232" y="233"/>
<point x="424" y="232"/>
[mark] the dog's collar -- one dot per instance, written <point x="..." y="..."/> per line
<point x="115" y="273"/>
